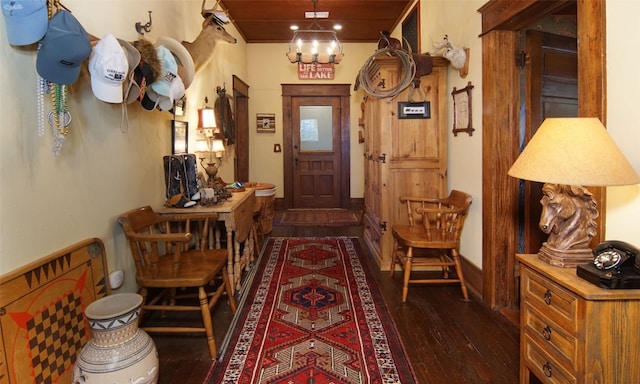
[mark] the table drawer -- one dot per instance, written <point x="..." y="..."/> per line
<point x="561" y="343"/>
<point x="543" y="366"/>
<point x="557" y="303"/>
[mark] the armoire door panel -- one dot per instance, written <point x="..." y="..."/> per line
<point x="402" y="156"/>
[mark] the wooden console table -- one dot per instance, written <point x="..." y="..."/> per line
<point x="572" y="331"/>
<point x="237" y="215"/>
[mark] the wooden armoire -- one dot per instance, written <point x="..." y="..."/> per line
<point x="404" y="155"/>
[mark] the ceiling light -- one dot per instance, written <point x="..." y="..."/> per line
<point x="314" y="44"/>
<point x="316" y="15"/>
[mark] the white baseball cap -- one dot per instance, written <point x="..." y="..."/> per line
<point x="109" y="69"/>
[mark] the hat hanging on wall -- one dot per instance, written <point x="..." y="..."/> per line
<point x="186" y="67"/>
<point x="26" y="21"/>
<point x="146" y="72"/>
<point x="153" y="100"/>
<point x="109" y="68"/>
<point x="63" y="49"/>
<point x="169" y="71"/>
<point x="130" y="89"/>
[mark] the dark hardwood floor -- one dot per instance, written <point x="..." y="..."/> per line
<point x="447" y="339"/>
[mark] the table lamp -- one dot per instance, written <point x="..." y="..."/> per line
<point x="567" y="154"/>
<point x="214" y="148"/>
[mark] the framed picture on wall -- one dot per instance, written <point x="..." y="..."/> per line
<point x="266" y="122"/>
<point x="462" y="118"/>
<point x="179" y="137"/>
<point x="411" y="30"/>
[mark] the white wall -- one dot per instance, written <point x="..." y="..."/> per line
<point x="47" y="202"/>
<point x="623" y="115"/>
<point x="461" y="22"/>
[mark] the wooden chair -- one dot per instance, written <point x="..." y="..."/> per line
<point x="167" y="260"/>
<point x="431" y="238"/>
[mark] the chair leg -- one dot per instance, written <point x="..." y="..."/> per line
<point x="394" y="257"/>
<point x="407" y="274"/>
<point x="206" y="319"/>
<point x="445" y="268"/>
<point x="463" y="285"/>
<point x="227" y="287"/>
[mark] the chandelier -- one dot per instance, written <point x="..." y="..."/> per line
<point x="315" y="44"/>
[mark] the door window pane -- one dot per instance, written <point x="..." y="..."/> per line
<point x="316" y="133"/>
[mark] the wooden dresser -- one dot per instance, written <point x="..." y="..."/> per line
<point x="572" y="331"/>
<point x="402" y="156"/>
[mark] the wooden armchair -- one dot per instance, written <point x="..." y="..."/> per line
<point x="167" y="259"/>
<point x="431" y="238"/>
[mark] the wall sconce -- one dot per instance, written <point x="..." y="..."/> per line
<point x="207" y="120"/>
<point x="565" y="154"/>
<point x="314" y="44"/>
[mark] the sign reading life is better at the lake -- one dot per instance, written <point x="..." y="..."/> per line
<point x="316" y="71"/>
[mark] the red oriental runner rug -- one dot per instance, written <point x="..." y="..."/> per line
<point x="314" y="315"/>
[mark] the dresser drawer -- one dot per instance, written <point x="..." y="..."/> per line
<point x="542" y="365"/>
<point x="562" y="344"/>
<point x="555" y="302"/>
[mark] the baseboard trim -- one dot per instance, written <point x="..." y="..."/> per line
<point x="472" y="277"/>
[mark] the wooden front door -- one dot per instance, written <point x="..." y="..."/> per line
<point x="316" y="146"/>
<point x="316" y="152"/>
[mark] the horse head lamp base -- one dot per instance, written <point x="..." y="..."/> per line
<point x="568" y="217"/>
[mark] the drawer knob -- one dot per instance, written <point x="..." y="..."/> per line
<point x="547" y="297"/>
<point x="546" y="368"/>
<point x="546" y="333"/>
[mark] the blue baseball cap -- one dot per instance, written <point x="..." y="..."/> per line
<point x="162" y="84"/>
<point x="25" y="20"/>
<point x="64" y="47"/>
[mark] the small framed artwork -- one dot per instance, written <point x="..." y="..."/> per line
<point x="179" y="137"/>
<point x="266" y="122"/>
<point x="462" y="118"/>
<point x="411" y="30"/>
<point x="179" y="106"/>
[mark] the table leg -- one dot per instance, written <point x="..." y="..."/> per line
<point x="217" y="234"/>
<point x="230" y="270"/>
<point x="237" y="266"/>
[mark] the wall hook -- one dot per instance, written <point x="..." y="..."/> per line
<point x="146" y="27"/>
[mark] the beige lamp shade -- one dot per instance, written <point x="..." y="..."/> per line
<point x="202" y="146"/>
<point x="217" y="146"/>
<point x="574" y="151"/>
<point x="206" y="118"/>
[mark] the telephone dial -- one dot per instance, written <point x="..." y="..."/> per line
<point x="616" y="265"/>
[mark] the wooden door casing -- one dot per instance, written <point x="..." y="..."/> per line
<point x="342" y="93"/>
<point x="501" y="21"/>
<point x="241" y="117"/>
